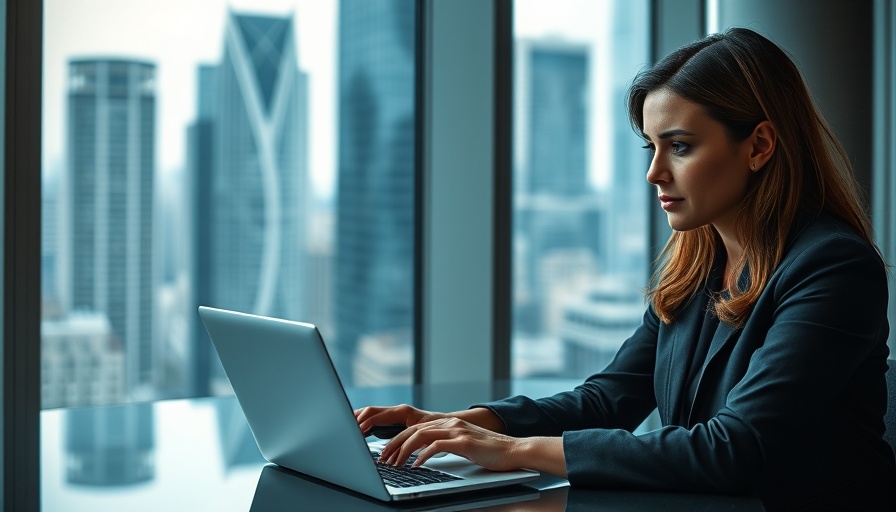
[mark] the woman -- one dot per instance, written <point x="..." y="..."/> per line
<point x="764" y="342"/>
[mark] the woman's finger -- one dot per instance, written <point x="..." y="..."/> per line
<point x="419" y="436"/>
<point x="391" y="451"/>
<point x="427" y="452"/>
<point x="368" y="417"/>
<point x="393" y="446"/>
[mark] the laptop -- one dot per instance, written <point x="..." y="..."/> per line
<point x="301" y="418"/>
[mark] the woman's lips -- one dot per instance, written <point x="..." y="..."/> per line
<point x="668" y="202"/>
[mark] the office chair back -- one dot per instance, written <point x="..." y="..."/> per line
<point x="890" y="418"/>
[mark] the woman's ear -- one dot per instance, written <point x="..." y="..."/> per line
<point x="763" y="141"/>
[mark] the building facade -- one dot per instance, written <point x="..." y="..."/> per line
<point x="374" y="270"/>
<point x="556" y="209"/>
<point x="109" y="203"/>
<point x="248" y="162"/>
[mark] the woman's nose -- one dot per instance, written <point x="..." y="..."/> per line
<point x="658" y="171"/>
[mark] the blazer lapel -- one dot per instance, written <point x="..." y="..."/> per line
<point x="724" y="334"/>
<point x="721" y="338"/>
<point x="725" y="330"/>
<point x="685" y="331"/>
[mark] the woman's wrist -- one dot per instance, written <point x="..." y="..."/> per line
<point x="543" y="454"/>
<point x="482" y="417"/>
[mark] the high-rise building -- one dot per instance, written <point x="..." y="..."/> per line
<point x="595" y="321"/>
<point x="248" y="159"/>
<point x="556" y="211"/>
<point x="109" y="203"/>
<point x="553" y="110"/>
<point x="375" y="195"/>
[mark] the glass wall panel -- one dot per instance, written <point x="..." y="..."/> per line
<point x="580" y="244"/>
<point x="249" y="155"/>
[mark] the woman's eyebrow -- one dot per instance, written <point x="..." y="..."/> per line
<point x="672" y="133"/>
<point x="668" y="133"/>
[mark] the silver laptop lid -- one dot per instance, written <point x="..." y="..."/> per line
<point x="267" y="360"/>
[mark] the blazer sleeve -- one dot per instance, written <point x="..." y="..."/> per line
<point x="822" y="314"/>
<point x="621" y="396"/>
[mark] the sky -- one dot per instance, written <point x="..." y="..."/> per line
<point x="178" y="35"/>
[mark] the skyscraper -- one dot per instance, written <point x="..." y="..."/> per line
<point x="597" y="322"/>
<point x="556" y="210"/>
<point x="111" y="161"/>
<point x="375" y="202"/>
<point x="553" y="87"/>
<point x="248" y="158"/>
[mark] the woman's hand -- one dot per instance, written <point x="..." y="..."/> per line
<point x="489" y="449"/>
<point x="368" y="417"/>
<point x="475" y="434"/>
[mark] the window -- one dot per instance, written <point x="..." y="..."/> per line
<point x="580" y="240"/>
<point x="250" y="155"/>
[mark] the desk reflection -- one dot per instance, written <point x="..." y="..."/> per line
<point x="282" y="489"/>
<point x="110" y="446"/>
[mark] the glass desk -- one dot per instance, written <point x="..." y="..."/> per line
<point x="198" y="454"/>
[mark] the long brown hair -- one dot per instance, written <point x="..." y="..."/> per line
<point x="741" y="79"/>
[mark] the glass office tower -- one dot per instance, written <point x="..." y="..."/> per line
<point x="557" y="211"/>
<point x="108" y="262"/>
<point x="248" y="158"/>
<point x="553" y="96"/>
<point x="595" y="323"/>
<point x="375" y="192"/>
<point x="580" y="224"/>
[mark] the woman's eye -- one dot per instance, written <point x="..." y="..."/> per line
<point x="679" y="148"/>
<point x="649" y="146"/>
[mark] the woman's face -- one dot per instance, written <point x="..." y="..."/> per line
<point x="700" y="175"/>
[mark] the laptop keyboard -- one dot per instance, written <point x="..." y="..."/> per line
<point x="407" y="476"/>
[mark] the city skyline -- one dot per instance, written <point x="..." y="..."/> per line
<point x="193" y="35"/>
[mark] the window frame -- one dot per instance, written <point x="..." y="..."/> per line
<point x="21" y="255"/>
<point x="463" y="318"/>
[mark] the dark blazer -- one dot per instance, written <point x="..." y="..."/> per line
<point x="789" y="407"/>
